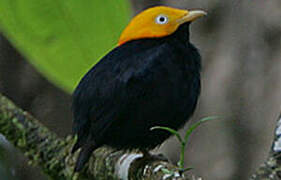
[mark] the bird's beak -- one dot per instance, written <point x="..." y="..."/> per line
<point x="192" y="15"/>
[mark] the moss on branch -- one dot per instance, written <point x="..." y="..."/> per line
<point x="42" y="147"/>
<point x="45" y="149"/>
<point x="271" y="168"/>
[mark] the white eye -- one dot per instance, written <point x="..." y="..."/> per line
<point x="161" y="19"/>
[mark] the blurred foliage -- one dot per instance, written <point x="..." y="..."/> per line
<point x="5" y="172"/>
<point x="63" y="39"/>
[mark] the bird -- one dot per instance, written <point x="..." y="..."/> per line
<point x="151" y="78"/>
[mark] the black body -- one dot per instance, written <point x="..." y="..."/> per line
<point x="138" y="85"/>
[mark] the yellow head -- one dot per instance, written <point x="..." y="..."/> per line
<point x="156" y="22"/>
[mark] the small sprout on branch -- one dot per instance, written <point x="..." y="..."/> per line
<point x="183" y="142"/>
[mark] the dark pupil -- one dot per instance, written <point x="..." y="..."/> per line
<point x="162" y="19"/>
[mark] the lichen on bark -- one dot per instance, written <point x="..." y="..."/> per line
<point x="53" y="154"/>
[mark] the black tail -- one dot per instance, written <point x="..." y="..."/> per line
<point x="84" y="155"/>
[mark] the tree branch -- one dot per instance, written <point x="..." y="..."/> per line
<point x="45" y="149"/>
<point x="271" y="169"/>
<point x="39" y="145"/>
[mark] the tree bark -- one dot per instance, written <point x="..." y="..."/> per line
<point x="45" y="149"/>
<point x="271" y="169"/>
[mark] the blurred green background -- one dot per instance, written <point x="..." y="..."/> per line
<point x="240" y="43"/>
<point x="62" y="39"/>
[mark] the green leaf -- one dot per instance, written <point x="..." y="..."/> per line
<point x="167" y="171"/>
<point x="172" y="131"/>
<point x="195" y="125"/>
<point x="63" y="39"/>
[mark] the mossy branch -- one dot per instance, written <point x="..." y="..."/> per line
<point x="271" y="168"/>
<point x="45" y="149"/>
<point x="42" y="147"/>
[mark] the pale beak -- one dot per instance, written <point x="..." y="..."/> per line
<point x="191" y="16"/>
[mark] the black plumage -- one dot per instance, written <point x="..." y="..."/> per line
<point x="138" y="85"/>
